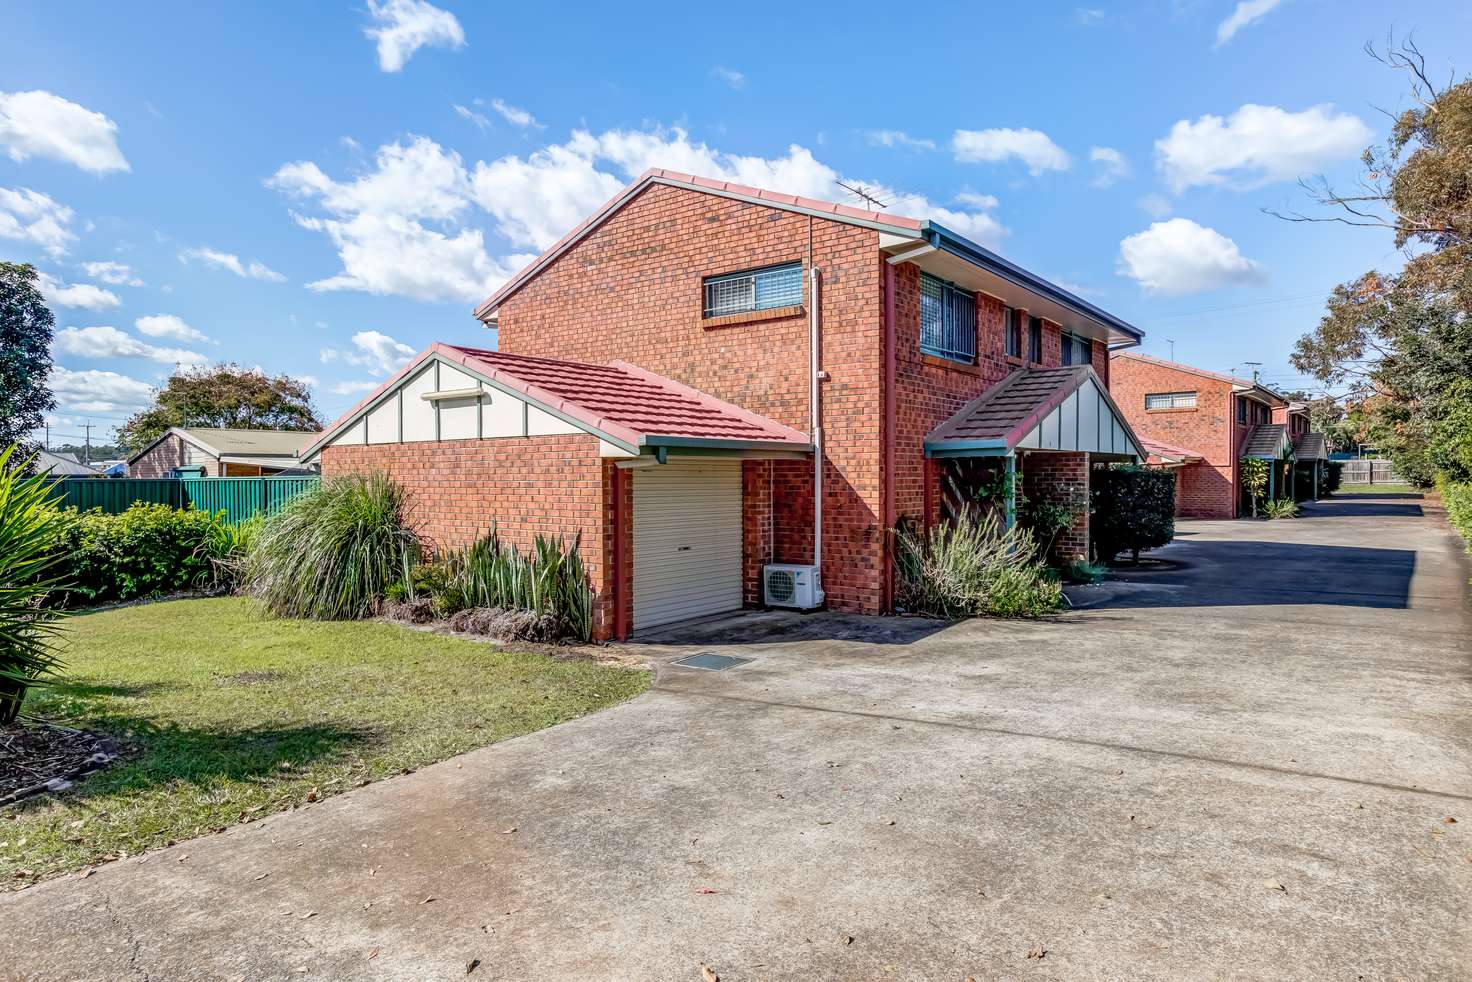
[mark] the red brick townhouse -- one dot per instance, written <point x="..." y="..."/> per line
<point x="1201" y="424"/>
<point x="660" y="370"/>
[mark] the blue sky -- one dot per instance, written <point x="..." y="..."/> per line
<point x="320" y="189"/>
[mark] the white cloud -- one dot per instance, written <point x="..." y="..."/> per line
<point x="466" y="112"/>
<point x="1110" y="166"/>
<point x="730" y="76"/>
<point x="1256" y="145"/>
<point x="354" y="388"/>
<point x="1033" y="148"/>
<point x="513" y="115"/>
<point x="116" y="274"/>
<point x="109" y="342"/>
<point x="1178" y="256"/>
<point x="251" y="270"/>
<point x="898" y="138"/>
<point x="1088" y="16"/>
<point x="168" y="326"/>
<point x="30" y="216"/>
<point x="1246" y="13"/>
<point x="405" y="26"/>
<point x="98" y="391"/>
<point x="411" y="225"/>
<point x="39" y="124"/>
<point x="980" y="202"/>
<point x="373" y="350"/>
<point x="85" y="296"/>
<point x="1155" y="205"/>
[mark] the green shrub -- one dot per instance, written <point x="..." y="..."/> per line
<point x="490" y="573"/>
<point x="972" y="566"/>
<point x="1282" y="508"/>
<point x="29" y="524"/>
<point x="1133" y="508"/>
<point x="147" y="550"/>
<point x="1082" y="571"/>
<point x="332" y="553"/>
<point x="1331" y="477"/>
<point x="1457" y="497"/>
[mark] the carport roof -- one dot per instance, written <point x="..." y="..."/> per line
<point x="619" y="402"/>
<point x="1168" y="453"/>
<point x="1311" y="446"/>
<point x="1039" y="409"/>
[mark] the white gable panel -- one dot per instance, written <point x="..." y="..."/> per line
<point x="418" y="411"/>
<point x="459" y="418"/>
<point x="383" y="422"/>
<point x="540" y="423"/>
<point x="502" y="414"/>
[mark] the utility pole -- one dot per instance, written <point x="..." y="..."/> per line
<point x="87" y="447"/>
<point x="1256" y="366"/>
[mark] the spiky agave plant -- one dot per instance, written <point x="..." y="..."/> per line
<point x="332" y="553"/>
<point x="29" y="525"/>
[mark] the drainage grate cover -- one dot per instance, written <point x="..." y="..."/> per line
<point x="711" y="662"/>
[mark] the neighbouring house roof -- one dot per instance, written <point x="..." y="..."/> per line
<point x="61" y="465"/>
<point x="915" y="230"/>
<point x="1167" y="454"/>
<point x="1270" y="395"/>
<point x="622" y="403"/>
<point x="1038" y="409"/>
<point x="237" y="445"/>
<point x="1268" y="441"/>
<point x="1311" y="446"/>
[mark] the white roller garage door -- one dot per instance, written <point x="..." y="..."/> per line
<point x="687" y="540"/>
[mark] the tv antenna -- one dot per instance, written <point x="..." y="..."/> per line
<point x="859" y="191"/>
<point x="1172" y="343"/>
<point x="1255" y="365"/>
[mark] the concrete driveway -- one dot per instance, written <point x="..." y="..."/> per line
<point x="1240" y="764"/>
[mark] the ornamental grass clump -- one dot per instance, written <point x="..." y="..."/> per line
<point x="1281" y="508"/>
<point x="973" y="566"/>
<point x="29" y="526"/>
<point x="550" y="580"/>
<point x="331" y="554"/>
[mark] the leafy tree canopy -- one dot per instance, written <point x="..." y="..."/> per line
<point x="26" y="325"/>
<point x="226" y="396"/>
<point x="1402" y="341"/>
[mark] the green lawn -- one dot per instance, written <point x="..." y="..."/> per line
<point x="235" y="716"/>
<point x="1377" y="489"/>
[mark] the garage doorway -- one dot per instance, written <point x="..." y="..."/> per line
<point x="687" y="541"/>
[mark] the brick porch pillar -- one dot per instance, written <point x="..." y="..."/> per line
<point x="1061" y="478"/>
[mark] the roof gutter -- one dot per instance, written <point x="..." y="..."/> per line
<point x="945" y="240"/>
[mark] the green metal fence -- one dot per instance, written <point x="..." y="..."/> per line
<point x="238" y="497"/>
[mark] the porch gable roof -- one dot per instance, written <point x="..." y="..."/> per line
<point x="1038" y="409"/>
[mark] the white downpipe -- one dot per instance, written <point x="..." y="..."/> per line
<point x="816" y="409"/>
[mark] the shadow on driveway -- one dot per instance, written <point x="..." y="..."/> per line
<point x="1239" y="573"/>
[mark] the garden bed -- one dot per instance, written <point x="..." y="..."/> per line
<point x="231" y="716"/>
<point x="37" y="756"/>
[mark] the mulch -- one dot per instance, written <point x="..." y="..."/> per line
<point x="36" y="756"/>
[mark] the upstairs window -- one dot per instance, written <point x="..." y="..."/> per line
<point x="1035" y="339"/>
<point x="1171" y="400"/>
<point x="755" y="289"/>
<point x="1012" y="331"/>
<point x="947" y="320"/>
<point x="1077" y="350"/>
<point x="1241" y="410"/>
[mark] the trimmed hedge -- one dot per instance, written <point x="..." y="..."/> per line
<point x="148" y="549"/>
<point x="1132" y="508"/>
<point x="1457" y="497"/>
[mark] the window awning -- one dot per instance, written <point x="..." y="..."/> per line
<point x="1041" y="409"/>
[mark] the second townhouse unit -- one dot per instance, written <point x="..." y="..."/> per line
<point x="733" y="395"/>
<point x="1201" y="424"/>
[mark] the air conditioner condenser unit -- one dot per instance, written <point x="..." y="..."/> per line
<point x="789" y="585"/>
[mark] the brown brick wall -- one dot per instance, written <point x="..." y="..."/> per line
<point x="526" y="486"/>
<point x="1204" y="490"/>
<point x="1061" y="477"/>
<point x="168" y="454"/>
<point x="631" y="290"/>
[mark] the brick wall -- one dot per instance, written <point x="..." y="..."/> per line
<point x="1061" y="478"/>
<point x="526" y="486"/>
<point x="1204" y="490"/>
<point x="168" y="454"/>
<point x="632" y="290"/>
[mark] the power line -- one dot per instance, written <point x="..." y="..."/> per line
<point x="1244" y="306"/>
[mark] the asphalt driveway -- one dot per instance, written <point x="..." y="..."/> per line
<point x="1239" y="763"/>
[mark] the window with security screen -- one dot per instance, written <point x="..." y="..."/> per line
<point x="754" y="289"/>
<point x="1035" y="340"/>
<point x="1012" y="332"/>
<point x="1077" y="350"/>
<point x="1170" y="400"/>
<point x="947" y="320"/>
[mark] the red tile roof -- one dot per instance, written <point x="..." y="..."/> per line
<point x="1168" y="452"/>
<point x="657" y="175"/>
<point x="623" y="401"/>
